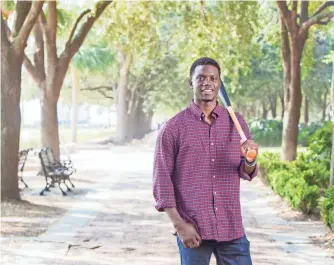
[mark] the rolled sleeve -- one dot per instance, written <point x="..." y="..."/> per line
<point x="244" y="175"/>
<point x="163" y="168"/>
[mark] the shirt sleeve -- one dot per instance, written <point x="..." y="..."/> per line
<point x="164" y="157"/>
<point x="242" y="173"/>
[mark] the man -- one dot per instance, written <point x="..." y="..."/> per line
<point x="199" y="160"/>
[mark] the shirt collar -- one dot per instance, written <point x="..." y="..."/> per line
<point x="198" y="113"/>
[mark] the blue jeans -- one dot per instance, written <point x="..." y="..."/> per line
<point x="234" y="252"/>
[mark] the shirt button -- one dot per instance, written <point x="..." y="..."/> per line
<point x="214" y="177"/>
<point x="216" y="209"/>
<point x="211" y="143"/>
<point x="213" y="160"/>
<point x="215" y="193"/>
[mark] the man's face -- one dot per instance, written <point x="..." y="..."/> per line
<point x="205" y="83"/>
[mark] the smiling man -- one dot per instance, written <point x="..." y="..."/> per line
<point x="198" y="164"/>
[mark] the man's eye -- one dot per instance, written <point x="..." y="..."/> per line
<point x="200" y="78"/>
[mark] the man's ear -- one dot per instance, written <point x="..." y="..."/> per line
<point x="190" y="83"/>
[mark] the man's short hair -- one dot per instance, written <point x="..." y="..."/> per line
<point x="203" y="61"/>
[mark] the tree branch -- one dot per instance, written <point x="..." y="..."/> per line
<point x="315" y="20"/>
<point x="22" y="9"/>
<point x="294" y="10"/>
<point x="323" y="7"/>
<point x="51" y="32"/>
<point x="100" y="90"/>
<point x="4" y="35"/>
<point x="74" y="46"/>
<point x="294" y="6"/>
<point x="32" y="70"/>
<point x="285" y="14"/>
<point x="283" y="8"/>
<point x="304" y="11"/>
<point x="21" y="39"/>
<point x="39" y="48"/>
<point x="75" y="25"/>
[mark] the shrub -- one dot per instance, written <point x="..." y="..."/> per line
<point x="327" y="207"/>
<point x="306" y="131"/>
<point x="269" y="132"/>
<point x="301" y="181"/>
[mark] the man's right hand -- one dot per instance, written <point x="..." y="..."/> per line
<point x="186" y="232"/>
<point x="189" y="236"/>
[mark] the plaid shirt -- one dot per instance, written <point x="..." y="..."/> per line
<point x="197" y="169"/>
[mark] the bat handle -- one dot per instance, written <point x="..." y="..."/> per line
<point x="251" y="154"/>
<point x="237" y="124"/>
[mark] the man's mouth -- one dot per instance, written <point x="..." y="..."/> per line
<point x="207" y="90"/>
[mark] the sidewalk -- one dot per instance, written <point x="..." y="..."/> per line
<point x="116" y="223"/>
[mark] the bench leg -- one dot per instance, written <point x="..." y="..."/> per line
<point x="45" y="189"/>
<point x="68" y="188"/>
<point x="71" y="182"/>
<point x="25" y="184"/>
<point x="62" y="192"/>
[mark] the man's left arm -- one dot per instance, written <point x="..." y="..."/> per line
<point x="248" y="167"/>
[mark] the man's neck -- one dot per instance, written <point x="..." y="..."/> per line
<point x="206" y="107"/>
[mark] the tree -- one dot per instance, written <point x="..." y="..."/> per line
<point x="134" y="39"/>
<point x="49" y="71"/>
<point x="261" y="86"/>
<point x="12" y="53"/>
<point x="316" y="84"/>
<point x="332" y="102"/>
<point x="295" y="25"/>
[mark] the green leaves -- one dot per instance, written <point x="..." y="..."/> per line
<point x="327" y="207"/>
<point x="94" y="58"/>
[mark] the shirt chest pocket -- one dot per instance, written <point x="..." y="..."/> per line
<point x="192" y="146"/>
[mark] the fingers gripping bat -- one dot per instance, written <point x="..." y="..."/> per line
<point x="251" y="154"/>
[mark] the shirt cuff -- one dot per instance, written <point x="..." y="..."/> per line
<point x="244" y="175"/>
<point x="160" y="205"/>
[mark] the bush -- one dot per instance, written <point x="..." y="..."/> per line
<point x="301" y="181"/>
<point x="306" y="131"/>
<point x="327" y="207"/>
<point x="269" y="132"/>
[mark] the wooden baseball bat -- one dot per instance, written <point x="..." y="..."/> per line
<point x="251" y="154"/>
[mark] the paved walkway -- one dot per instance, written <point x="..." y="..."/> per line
<point x="116" y="223"/>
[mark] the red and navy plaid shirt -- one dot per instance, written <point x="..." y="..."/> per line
<point x="197" y="169"/>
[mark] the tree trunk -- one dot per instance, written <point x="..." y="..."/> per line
<point x="264" y="111"/>
<point x="75" y="91"/>
<point x="273" y="105"/>
<point x="22" y="113"/>
<point x="11" y="64"/>
<point x="12" y="51"/>
<point x="281" y="96"/>
<point x="331" y="181"/>
<point x="324" y="107"/>
<point x="49" y="129"/>
<point x="139" y="121"/>
<point x="306" y="110"/>
<point x="50" y="80"/>
<point x="292" y="113"/>
<point x="122" y="106"/>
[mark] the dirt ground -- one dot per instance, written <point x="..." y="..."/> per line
<point x="126" y="219"/>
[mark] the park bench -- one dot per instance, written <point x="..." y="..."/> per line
<point x="67" y="165"/>
<point x="23" y="154"/>
<point x="54" y="173"/>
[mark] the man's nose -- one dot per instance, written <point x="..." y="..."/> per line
<point x="206" y="81"/>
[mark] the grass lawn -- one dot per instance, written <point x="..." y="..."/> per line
<point x="31" y="137"/>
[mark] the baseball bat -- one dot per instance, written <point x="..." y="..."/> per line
<point x="251" y="154"/>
